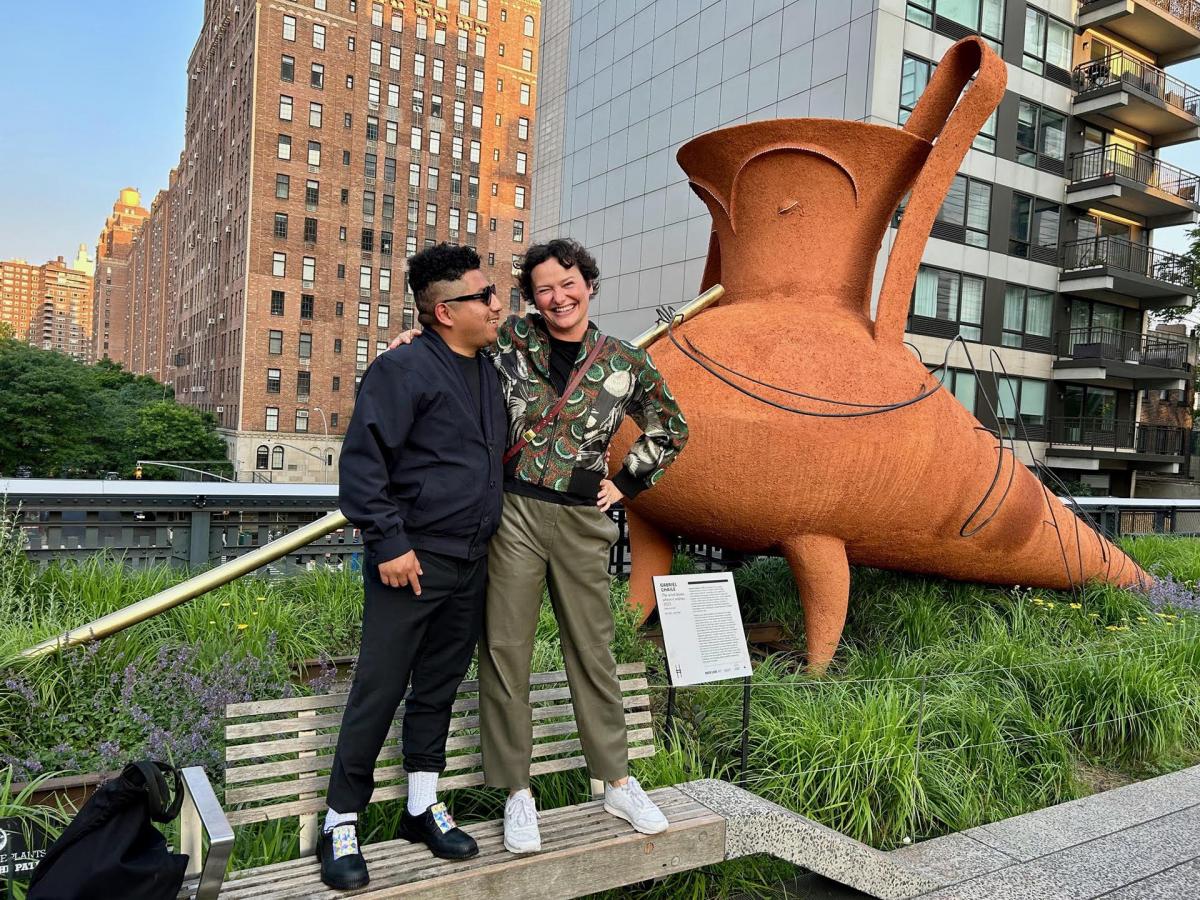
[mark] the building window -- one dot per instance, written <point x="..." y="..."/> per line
<point x="279" y="264"/>
<point x="312" y="193"/>
<point x="524" y="95"/>
<point x="275" y="342"/>
<point x="454" y="218"/>
<point x="282" y="186"/>
<point x="1033" y="230"/>
<point x="476" y="80"/>
<point x="957" y="18"/>
<point x="370" y="161"/>
<point x="389" y="206"/>
<point x="528" y="26"/>
<point x="364" y="284"/>
<point x="287" y="68"/>
<point x="304" y="348"/>
<point x="301" y="420"/>
<point x="361" y="349"/>
<point x="277" y="453"/>
<point x="314" y="153"/>
<point x="435" y="143"/>
<point x="914" y="76"/>
<point x="382" y="315"/>
<point x="950" y="297"/>
<point x="377" y="15"/>
<point x="414" y="138"/>
<point x="523" y="128"/>
<point x="376" y="53"/>
<point x="272" y="424"/>
<point x="1027" y="317"/>
<point x="310" y="230"/>
<point x="961" y="384"/>
<point x="414" y="174"/>
<point x="277" y="303"/>
<point x="1023" y="398"/>
<point x="472" y="222"/>
<point x="318" y="41"/>
<point x="964" y="213"/>
<point x="521" y="163"/>
<point x="368" y="202"/>
<point x="281" y="225"/>
<point x="431" y="215"/>
<point x="527" y="60"/>
<point x="480" y="45"/>
<point x="314" y="115"/>
<point x="308" y="269"/>
<point x="431" y="178"/>
<point x="419" y="65"/>
<point x="418" y="102"/>
<point x="394" y="59"/>
<point x="519" y="197"/>
<point x="476" y="116"/>
<point x="439" y="69"/>
<point x="367" y="242"/>
<point x="385" y="243"/>
<point x="372" y="128"/>
<point x="390" y="132"/>
<point x="289" y="28"/>
<point x="307" y="304"/>
<point x="316" y="77"/>
<point x="373" y="87"/>
<point x="303" y="384"/>
<point x="518" y="231"/>
<point x="285" y="108"/>
<point x="1041" y="137"/>
<point x="422" y="28"/>
<point x="262" y="457"/>
<point x="274" y="379"/>
<point x="1048" y="42"/>
<point x="474" y="151"/>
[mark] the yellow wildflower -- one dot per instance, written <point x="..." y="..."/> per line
<point x="1076" y="606"/>
<point x="242" y="626"/>
<point x="1110" y="627"/>
<point x="1049" y="606"/>
<point x="260" y="599"/>
<point x="224" y="603"/>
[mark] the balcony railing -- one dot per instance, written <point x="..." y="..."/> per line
<point x="1120" y="66"/>
<point x="1187" y="11"/>
<point x="1128" y="256"/>
<point x="1102" y="433"/>
<point x="1143" y="168"/>
<point x="1126" y="346"/>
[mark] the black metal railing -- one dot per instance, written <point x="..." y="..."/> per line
<point x="1143" y="168"/>
<point x="1129" y="346"/>
<point x="1134" y="73"/>
<point x="1103" y="433"/>
<point x="1187" y="11"/>
<point x="1128" y="256"/>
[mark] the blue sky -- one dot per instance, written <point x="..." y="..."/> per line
<point x="92" y="100"/>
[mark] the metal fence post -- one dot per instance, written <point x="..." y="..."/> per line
<point x="201" y="522"/>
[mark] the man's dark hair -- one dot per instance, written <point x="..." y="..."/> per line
<point x="568" y="253"/>
<point x="441" y="262"/>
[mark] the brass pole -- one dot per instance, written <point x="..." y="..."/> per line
<point x="282" y="546"/>
<point x="192" y="588"/>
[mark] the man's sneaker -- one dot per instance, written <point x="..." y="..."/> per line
<point x="342" y="865"/>
<point x="521" y="833"/>
<point x="629" y="802"/>
<point x="436" y="829"/>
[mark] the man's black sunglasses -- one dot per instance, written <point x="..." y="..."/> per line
<point x="484" y="296"/>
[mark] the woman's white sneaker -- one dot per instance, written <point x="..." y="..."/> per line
<point x="521" y="833"/>
<point x="629" y="802"/>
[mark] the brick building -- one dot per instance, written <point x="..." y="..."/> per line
<point x="326" y="140"/>
<point x="62" y="320"/>
<point x="20" y="295"/>
<point x="110" y="311"/>
<point x="150" y="322"/>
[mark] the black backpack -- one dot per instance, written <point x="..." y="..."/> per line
<point x="111" y="849"/>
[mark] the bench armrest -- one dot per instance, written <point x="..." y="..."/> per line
<point x="202" y="815"/>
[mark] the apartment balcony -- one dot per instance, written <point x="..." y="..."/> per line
<point x="1098" y="267"/>
<point x="1126" y="360"/>
<point x="1122" y="90"/>
<point x="1125" y="181"/>
<point x="1169" y="29"/>
<point x="1094" y="443"/>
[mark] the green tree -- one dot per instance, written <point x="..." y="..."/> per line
<point x="1177" y="313"/>
<point x="167" y="430"/>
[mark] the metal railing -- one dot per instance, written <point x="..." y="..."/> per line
<point x="1133" y="73"/>
<point x="1143" y="168"/>
<point x="1128" y="256"/>
<point x="1102" y="433"/>
<point x="1128" y="346"/>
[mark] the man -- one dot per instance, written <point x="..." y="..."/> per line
<point x="555" y="529"/>
<point x="420" y="475"/>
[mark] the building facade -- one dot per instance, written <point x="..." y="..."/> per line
<point x="326" y="141"/>
<point x="49" y="306"/>
<point x="111" y="298"/>
<point x="150" y="323"/>
<point x="1043" y="251"/>
<point x="20" y="295"/>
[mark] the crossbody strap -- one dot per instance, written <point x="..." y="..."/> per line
<point x="530" y="433"/>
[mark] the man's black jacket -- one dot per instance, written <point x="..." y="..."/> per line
<point x="420" y="468"/>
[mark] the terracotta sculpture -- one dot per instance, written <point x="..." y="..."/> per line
<point x="799" y="209"/>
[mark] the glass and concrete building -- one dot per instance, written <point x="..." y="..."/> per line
<point x="1044" y="249"/>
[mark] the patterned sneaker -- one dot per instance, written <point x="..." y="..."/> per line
<point x="342" y="865"/>
<point x="521" y="824"/>
<point x="437" y="830"/>
<point x="629" y="802"/>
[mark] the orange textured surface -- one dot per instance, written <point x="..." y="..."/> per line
<point x="799" y="211"/>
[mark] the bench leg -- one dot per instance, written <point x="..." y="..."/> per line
<point x="597" y="787"/>
<point x="308" y="824"/>
<point x="202" y="814"/>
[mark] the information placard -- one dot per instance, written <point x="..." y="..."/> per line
<point x="702" y="627"/>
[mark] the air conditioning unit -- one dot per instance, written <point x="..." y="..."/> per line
<point x="228" y="207"/>
<point x="228" y="229"/>
<point x="212" y="321"/>
<point x="220" y="409"/>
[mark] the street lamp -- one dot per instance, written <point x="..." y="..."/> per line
<point x="324" y="451"/>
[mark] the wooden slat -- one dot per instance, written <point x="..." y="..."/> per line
<point x="290" y="788"/>
<point x="292" y="723"/>
<point x="323" y="701"/>
<point x="286" y="745"/>
<point x="560" y="828"/>
<point x="281" y="768"/>
<point x="396" y="791"/>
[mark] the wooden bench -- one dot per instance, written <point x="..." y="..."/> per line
<point x="277" y="762"/>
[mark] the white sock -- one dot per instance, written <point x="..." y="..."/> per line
<point x="528" y="793"/>
<point x="333" y="818"/>
<point x="422" y="791"/>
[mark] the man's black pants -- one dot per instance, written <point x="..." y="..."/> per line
<point x="429" y="639"/>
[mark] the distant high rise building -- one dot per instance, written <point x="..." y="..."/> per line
<point x="111" y="300"/>
<point x="20" y="295"/>
<point x="150" y="322"/>
<point x="84" y="263"/>
<point x="327" y="140"/>
<point x="62" y="321"/>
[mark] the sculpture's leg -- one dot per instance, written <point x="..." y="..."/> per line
<point x="823" y="577"/>
<point x="651" y="552"/>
